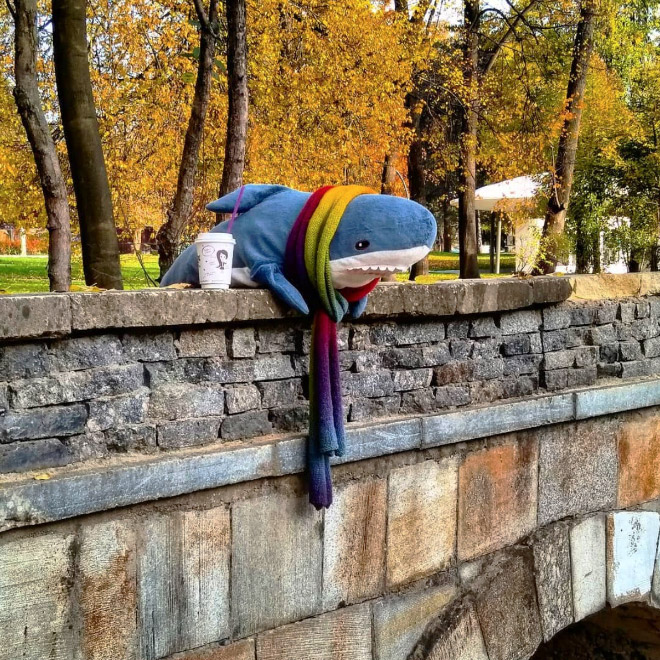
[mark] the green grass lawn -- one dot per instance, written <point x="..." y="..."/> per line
<point x="29" y="274"/>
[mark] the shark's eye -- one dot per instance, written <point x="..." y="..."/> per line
<point x="362" y="245"/>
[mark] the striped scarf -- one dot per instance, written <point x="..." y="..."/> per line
<point x="307" y="266"/>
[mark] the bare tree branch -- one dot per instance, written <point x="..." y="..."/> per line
<point x="12" y="9"/>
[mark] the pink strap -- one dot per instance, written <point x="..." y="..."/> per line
<point x="234" y="213"/>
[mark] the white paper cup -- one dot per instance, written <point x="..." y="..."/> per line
<point x="214" y="257"/>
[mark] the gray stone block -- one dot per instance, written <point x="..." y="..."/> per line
<point x="577" y="469"/>
<point x="382" y="334"/>
<point x="419" y="401"/>
<point x="85" y="352"/>
<point x="411" y="379"/>
<point x="276" y="367"/>
<point x="642" y="309"/>
<point x="23" y="361"/>
<point x="277" y="559"/>
<point x="87" y="446"/>
<point x="183" y="581"/>
<point x="464" y="425"/>
<point x="4" y="400"/>
<point x="519" y="386"/>
<point x="181" y="400"/>
<point x="242" y="343"/>
<point x="555" y="380"/>
<point x="34" y="316"/>
<point x="42" y="423"/>
<point x="487" y="369"/>
<point x="368" y="384"/>
<point x="583" y="314"/>
<point x="33" y="455"/>
<point x="188" y="432"/>
<point x="552" y="568"/>
<point x="291" y="418"/>
<point x="652" y="347"/>
<point x="610" y="400"/>
<point x="559" y="340"/>
<point x="418" y="333"/>
<point x="603" y="334"/>
<point x="522" y="364"/>
<point x="131" y="438"/>
<point x="246" y="425"/>
<point x="558" y="360"/>
<point x="588" y="566"/>
<point x="586" y="355"/>
<point x="606" y="313"/>
<point x="416" y="358"/>
<point x="460" y="349"/>
<point x="118" y="411"/>
<point x="279" y="339"/>
<point x="359" y="338"/>
<point x="629" y="351"/>
<point x="556" y="318"/>
<point x="186" y="370"/>
<point x="623" y="331"/>
<point x="359" y="360"/>
<point x="151" y="347"/>
<point x="205" y="342"/>
<point x="609" y="352"/>
<point x="485" y="349"/>
<point x="241" y="398"/>
<point x="581" y="377"/>
<point x="369" y="409"/>
<point x="244" y="371"/>
<point x="380" y="439"/>
<point x="458" y="329"/>
<point x="279" y="392"/>
<point x="516" y="345"/>
<point x="523" y="321"/>
<point x="627" y="312"/>
<point x="452" y="396"/>
<point x="609" y="369"/>
<point x="483" y="327"/>
<point x="636" y="369"/>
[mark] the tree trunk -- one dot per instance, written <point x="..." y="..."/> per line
<point x="237" y="116"/>
<point x="28" y="102"/>
<point x="417" y="180"/>
<point x="98" y="234"/>
<point x="389" y="175"/>
<point x="446" y="230"/>
<point x="555" y="217"/>
<point x="467" y="230"/>
<point x="178" y="215"/>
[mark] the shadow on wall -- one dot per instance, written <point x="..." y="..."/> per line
<point x="628" y="632"/>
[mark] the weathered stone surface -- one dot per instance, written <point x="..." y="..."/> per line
<point x="630" y="350"/>
<point x="552" y="568"/>
<point x="416" y="358"/>
<point x="183" y="581"/>
<point x="497" y="496"/>
<point x="42" y="423"/>
<point x="118" y="411"/>
<point x="421" y="520"/>
<point x="34" y="604"/>
<point x="149" y="347"/>
<point x="632" y="541"/>
<point x="506" y="607"/>
<point x="577" y="469"/>
<point x="241" y="398"/>
<point x="341" y="635"/>
<point x="70" y="387"/>
<point x="23" y="361"/>
<point x="207" y="342"/>
<point x="279" y="392"/>
<point x="33" y="455"/>
<point x="419" y="401"/>
<point x="243" y="650"/>
<point x="367" y="384"/>
<point x="188" y="432"/>
<point x="588" y="566"/>
<point x="517" y="322"/>
<point x="354" y="543"/>
<point x="486" y="348"/>
<point x="405" y="334"/>
<point x="483" y="327"/>
<point x="246" y="425"/>
<point x="370" y="409"/>
<point x="460" y="349"/>
<point x="457" y="636"/>
<point x="521" y="365"/>
<point x="551" y="289"/>
<point x="451" y="396"/>
<point x="178" y="401"/>
<point x="85" y="352"/>
<point x="502" y="418"/>
<point x="381" y="439"/>
<point x="34" y="315"/>
<point x="604" y="334"/>
<point x="276" y="562"/>
<point x="290" y="418"/>
<point x="411" y="379"/>
<point x="517" y="344"/>
<point x="86" y="446"/>
<point x="556" y="318"/>
<point x="141" y="437"/>
<point x="108" y="595"/>
<point x="4" y="399"/>
<point x="639" y="457"/>
<point x="558" y="359"/>
<point x="400" y="620"/>
<point x="582" y="377"/>
<point x="618" y="398"/>
<point x="279" y="339"/>
<point x="242" y="343"/>
<point x="189" y="370"/>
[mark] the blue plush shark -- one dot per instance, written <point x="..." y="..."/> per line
<point x="377" y="235"/>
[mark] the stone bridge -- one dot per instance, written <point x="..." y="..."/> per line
<point x="501" y="482"/>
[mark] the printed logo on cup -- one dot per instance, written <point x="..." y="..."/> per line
<point x="215" y="251"/>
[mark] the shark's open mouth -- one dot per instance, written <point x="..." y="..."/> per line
<point x="360" y="269"/>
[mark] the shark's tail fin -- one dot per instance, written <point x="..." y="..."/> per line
<point x="254" y="194"/>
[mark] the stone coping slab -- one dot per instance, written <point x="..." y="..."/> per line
<point x="39" y="315"/>
<point x="75" y="491"/>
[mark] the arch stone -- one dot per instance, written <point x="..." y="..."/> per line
<point x="516" y="598"/>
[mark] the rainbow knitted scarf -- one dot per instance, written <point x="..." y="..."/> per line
<point x="307" y="266"/>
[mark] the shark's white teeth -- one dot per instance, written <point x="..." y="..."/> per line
<point x="377" y="269"/>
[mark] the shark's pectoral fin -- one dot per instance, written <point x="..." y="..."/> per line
<point x="271" y="276"/>
<point x="357" y="308"/>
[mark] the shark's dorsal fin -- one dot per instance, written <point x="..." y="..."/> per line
<point x="254" y="194"/>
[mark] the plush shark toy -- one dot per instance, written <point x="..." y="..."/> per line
<point x="377" y="235"/>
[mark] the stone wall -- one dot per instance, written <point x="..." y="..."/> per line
<point x="93" y="393"/>
<point x="153" y="506"/>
